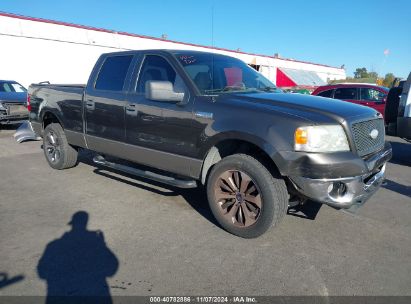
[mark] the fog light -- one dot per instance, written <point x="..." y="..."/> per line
<point x="337" y="189"/>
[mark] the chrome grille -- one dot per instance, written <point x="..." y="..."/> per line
<point x="364" y="143"/>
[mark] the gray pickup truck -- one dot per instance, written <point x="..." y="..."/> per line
<point x="206" y="119"/>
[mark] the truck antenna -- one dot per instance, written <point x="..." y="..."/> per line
<point x="212" y="25"/>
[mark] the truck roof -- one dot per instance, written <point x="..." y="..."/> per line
<point x="170" y="51"/>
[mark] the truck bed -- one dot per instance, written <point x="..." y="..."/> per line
<point x="57" y="85"/>
<point x="66" y="100"/>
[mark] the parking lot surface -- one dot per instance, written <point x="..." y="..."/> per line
<point x="147" y="239"/>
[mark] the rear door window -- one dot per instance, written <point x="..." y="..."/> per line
<point x="327" y="93"/>
<point x="113" y="73"/>
<point x="368" y="94"/>
<point x="5" y="87"/>
<point x="11" y="87"/>
<point x="345" y="93"/>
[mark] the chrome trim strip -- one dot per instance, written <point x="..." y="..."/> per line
<point x="205" y="115"/>
<point x="375" y="178"/>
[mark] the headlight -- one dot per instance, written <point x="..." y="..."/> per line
<point x="327" y="138"/>
<point x="1" y="107"/>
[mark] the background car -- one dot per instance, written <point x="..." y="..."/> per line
<point x="398" y="110"/>
<point x="13" y="102"/>
<point x="364" y="94"/>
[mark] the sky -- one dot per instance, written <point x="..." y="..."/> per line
<point x="374" y="34"/>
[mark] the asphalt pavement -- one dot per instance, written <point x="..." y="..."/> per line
<point x="134" y="237"/>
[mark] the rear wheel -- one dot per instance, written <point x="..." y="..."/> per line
<point x="245" y="198"/>
<point x="59" y="154"/>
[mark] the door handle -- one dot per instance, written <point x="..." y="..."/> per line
<point x="147" y="118"/>
<point x="90" y="105"/>
<point x="131" y="109"/>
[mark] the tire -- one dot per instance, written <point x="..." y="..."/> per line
<point x="249" y="204"/>
<point x="59" y="154"/>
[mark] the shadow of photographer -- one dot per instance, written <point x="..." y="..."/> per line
<point x="76" y="266"/>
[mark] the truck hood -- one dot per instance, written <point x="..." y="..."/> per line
<point x="13" y="97"/>
<point x="308" y="106"/>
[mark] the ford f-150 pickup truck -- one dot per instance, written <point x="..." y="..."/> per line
<point x="206" y="119"/>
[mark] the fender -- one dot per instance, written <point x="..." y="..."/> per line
<point x="211" y="154"/>
<point x="237" y="135"/>
<point x="54" y="111"/>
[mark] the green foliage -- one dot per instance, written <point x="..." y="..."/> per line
<point x="388" y="79"/>
<point x="361" y="73"/>
<point x="373" y="75"/>
<point x="353" y="80"/>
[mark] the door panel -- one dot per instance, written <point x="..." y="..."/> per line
<point x="160" y="125"/>
<point x="143" y="123"/>
<point x="105" y="118"/>
<point x="179" y="136"/>
<point x="374" y="99"/>
<point x="347" y="94"/>
<point x="105" y="101"/>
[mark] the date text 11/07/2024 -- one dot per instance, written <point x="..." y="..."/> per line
<point x="209" y="299"/>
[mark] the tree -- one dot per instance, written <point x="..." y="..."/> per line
<point x="388" y="79"/>
<point x="361" y="73"/>
<point x="373" y="75"/>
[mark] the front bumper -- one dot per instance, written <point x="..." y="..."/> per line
<point x="345" y="192"/>
<point x="25" y="132"/>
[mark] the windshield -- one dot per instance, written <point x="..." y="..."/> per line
<point x="216" y="74"/>
<point x="8" y="86"/>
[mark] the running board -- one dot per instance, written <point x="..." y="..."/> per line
<point x="180" y="183"/>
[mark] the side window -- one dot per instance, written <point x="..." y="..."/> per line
<point x="369" y="94"/>
<point x="157" y="68"/>
<point x="113" y="73"/>
<point x="201" y="75"/>
<point x="327" y="93"/>
<point x="5" y="87"/>
<point x="18" y="87"/>
<point x="345" y="93"/>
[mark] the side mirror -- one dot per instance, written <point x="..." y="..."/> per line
<point x="162" y="91"/>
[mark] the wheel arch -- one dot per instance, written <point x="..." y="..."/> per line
<point x="49" y="116"/>
<point x="223" y="146"/>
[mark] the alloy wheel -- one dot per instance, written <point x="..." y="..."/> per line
<point x="52" y="147"/>
<point x="238" y="198"/>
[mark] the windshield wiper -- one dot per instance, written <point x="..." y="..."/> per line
<point x="214" y="91"/>
<point x="226" y="89"/>
<point x="269" y="89"/>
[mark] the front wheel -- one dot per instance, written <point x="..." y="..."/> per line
<point x="59" y="154"/>
<point x="245" y="198"/>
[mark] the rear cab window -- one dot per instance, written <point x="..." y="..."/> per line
<point x="113" y="73"/>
